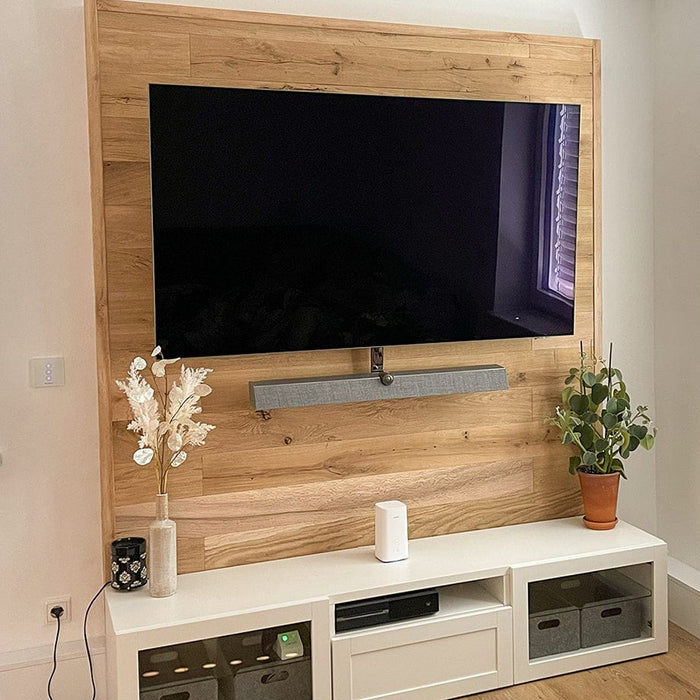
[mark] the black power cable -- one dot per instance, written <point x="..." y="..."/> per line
<point x="56" y="613"/>
<point x="85" y="637"/>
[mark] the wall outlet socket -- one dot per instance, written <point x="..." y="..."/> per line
<point x="64" y="602"/>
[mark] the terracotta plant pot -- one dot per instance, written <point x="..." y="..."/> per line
<point x="599" y="493"/>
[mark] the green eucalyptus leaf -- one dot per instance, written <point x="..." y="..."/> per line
<point x="647" y="442"/>
<point x="587" y="436"/>
<point x="566" y="439"/>
<point x="588" y="378"/>
<point x="569" y="379"/>
<point x="579" y="403"/>
<point x="573" y="371"/>
<point x="613" y="406"/>
<point x="639" y="431"/>
<point x="625" y="441"/>
<point x="588" y="458"/>
<point x="599" y="392"/>
<point x="566" y="394"/>
<point x="600" y="445"/>
<point x="634" y="443"/>
<point x="609" y="420"/>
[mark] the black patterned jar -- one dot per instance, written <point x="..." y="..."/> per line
<point x="129" y="563"/>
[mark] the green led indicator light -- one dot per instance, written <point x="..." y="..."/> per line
<point x="285" y="637"/>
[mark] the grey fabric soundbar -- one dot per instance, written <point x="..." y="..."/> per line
<point x="350" y="388"/>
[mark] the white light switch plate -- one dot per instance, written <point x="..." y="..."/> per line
<point x="47" y="371"/>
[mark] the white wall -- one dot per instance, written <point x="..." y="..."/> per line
<point x="49" y="479"/>
<point x="677" y="281"/>
<point x="49" y="490"/>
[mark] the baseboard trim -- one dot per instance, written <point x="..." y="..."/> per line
<point x="684" y="596"/>
<point x="39" y="656"/>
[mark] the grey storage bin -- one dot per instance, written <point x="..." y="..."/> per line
<point x="282" y="680"/>
<point x="254" y="672"/>
<point x="201" y="689"/>
<point x="242" y="649"/>
<point x="179" y="671"/>
<point x="554" y="624"/>
<point x="611" y="605"/>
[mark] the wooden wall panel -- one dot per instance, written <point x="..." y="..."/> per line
<point x="278" y="483"/>
<point x="143" y="53"/>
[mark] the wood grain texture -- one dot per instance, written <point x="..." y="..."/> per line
<point x="597" y="196"/>
<point x="295" y="481"/>
<point x="100" y="278"/>
<point x="671" y="676"/>
<point x="298" y="22"/>
<point x="321" y="506"/>
<point x="143" y="53"/>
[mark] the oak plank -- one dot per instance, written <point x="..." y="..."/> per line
<point x="125" y="138"/>
<point x="128" y="228"/>
<point x="281" y="506"/>
<point x="248" y="430"/>
<point x="143" y="52"/>
<point x="138" y="484"/>
<point x="215" y="57"/>
<point x="675" y="674"/>
<point x="107" y="523"/>
<point x="211" y="14"/>
<point x="332" y="461"/>
<point x="126" y="183"/>
<point x="561" y="52"/>
<point x="242" y="29"/>
<point x="352" y="531"/>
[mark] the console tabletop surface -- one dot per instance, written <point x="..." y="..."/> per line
<point x="355" y="573"/>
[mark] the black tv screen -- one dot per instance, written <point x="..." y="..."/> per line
<point x="288" y="220"/>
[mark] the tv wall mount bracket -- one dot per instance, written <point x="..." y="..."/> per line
<point x="377" y="365"/>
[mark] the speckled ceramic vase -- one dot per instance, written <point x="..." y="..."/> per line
<point x="162" y="551"/>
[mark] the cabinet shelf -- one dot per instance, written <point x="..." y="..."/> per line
<point x="455" y="600"/>
<point x="471" y="597"/>
<point x="592" y="651"/>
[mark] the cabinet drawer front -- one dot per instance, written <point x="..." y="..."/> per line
<point x="441" y="659"/>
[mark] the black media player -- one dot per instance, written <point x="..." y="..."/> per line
<point x="385" y="609"/>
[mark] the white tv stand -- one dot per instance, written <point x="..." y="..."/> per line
<point x="476" y="642"/>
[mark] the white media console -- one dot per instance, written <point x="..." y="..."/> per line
<point x="479" y="640"/>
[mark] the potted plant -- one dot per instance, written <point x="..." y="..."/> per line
<point x="596" y="419"/>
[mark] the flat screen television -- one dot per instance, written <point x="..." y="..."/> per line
<point x="289" y="220"/>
